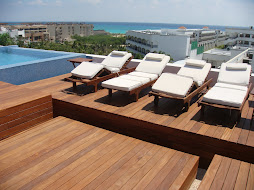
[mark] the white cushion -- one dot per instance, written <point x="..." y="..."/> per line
<point x="121" y="84"/>
<point x="172" y="84"/>
<point x="115" y="61"/>
<point x="195" y="63"/>
<point x="153" y="67"/>
<point x="122" y="53"/>
<point x="154" y="56"/>
<point x="143" y="80"/>
<point x="112" y="69"/>
<point x="234" y="66"/>
<point x="225" y="96"/>
<point x="232" y="86"/>
<point x="147" y="75"/>
<point x="87" y="70"/>
<point x="236" y="77"/>
<point x="198" y="74"/>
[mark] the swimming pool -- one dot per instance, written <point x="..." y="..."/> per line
<point x="23" y="65"/>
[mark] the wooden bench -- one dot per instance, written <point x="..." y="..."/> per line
<point x="67" y="154"/>
<point x="227" y="173"/>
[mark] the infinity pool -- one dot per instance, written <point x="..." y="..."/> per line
<point x="23" y="65"/>
<point x="7" y="58"/>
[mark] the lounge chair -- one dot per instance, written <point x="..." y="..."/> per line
<point x="186" y="84"/>
<point x="145" y="74"/>
<point x="231" y="90"/>
<point x="94" y="73"/>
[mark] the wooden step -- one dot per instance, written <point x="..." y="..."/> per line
<point x="67" y="154"/>
<point x="228" y="173"/>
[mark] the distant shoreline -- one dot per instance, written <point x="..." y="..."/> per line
<point x="123" y="27"/>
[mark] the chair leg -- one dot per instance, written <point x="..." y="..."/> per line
<point x="156" y="100"/>
<point x="136" y="96"/>
<point x="95" y="88"/>
<point x="110" y="92"/>
<point x="238" y="116"/>
<point x="74" y="84"/>
<point x="202" y="113"/>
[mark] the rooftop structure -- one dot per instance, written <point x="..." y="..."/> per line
<point x="179" y="43"/>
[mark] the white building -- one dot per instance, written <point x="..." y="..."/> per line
<point x="13" y="33"/>
<point x="178" y="43"/>
<point x="243" y="37"/>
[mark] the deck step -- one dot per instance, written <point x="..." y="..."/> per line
<point x="67" y="154"/>
<point x="228" y="173"/>
<point x="21" y="108"/>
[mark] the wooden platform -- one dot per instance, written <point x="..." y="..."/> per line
<point x="21" y="108"/>
<point x="66" y="154"/>
<point x="218" y="133"/>
<point x="228" y="173"/>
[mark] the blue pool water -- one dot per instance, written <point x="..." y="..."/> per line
<point x="23" y="65"/>
<point x="7" y="58"/>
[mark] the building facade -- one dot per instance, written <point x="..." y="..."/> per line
<point x="13" y="33"/>
<point x="63" y="32"/>
<point x="243" y="37"/>
<point x="179" y="44"/>
<point x="33" y="33"/>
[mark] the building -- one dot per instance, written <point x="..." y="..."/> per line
<point x="33" y="33"/>
<point x="243" y="37"/>
<point x="178" y="43"/>
<point x="235" y="55"/>
<point x="13" y="33"/>
<point x="63" y="32"/>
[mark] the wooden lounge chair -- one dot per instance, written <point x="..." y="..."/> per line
<point x="231" y="90"/>
<point x="94" y="73"/>
<point x="183" y="86"/>
<point x="145" y="74"/>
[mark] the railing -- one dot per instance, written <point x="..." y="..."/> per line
<point x="239" y="58"/>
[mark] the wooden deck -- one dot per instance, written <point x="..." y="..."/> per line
<point x="216" y="134"/>
<point x="21" y="108"/>
<point x="228" y="173"/>
<point x="66" y="154"/>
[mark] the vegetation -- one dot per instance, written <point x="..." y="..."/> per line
<point x="6" y="40"/>
<point x="97" y="44"/>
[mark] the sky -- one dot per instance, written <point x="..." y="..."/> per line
<point x="203" y="12"/>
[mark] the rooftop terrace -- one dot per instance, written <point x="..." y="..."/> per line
<point x="218" y="133"/>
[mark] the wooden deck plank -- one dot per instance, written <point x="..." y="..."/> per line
<point x="226" y="173"/>
<point x="75" y="155"/>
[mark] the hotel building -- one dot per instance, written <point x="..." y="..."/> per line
<point x="243" y="37"/>
<point x="63" y="32"/>
<point x="178" y="43"/>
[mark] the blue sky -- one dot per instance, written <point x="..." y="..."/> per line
<point x="205" y="12"/>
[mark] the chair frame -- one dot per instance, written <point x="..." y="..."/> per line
<point x="135" y="91"/>
<point x="98" y="78"/>
<point x="188" y="97"/>
<point x="220" y="106"/>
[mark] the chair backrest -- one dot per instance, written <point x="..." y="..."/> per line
<point x="153" y="63"/>
<point x="235" y="73"/>
<point x="195" y="69"/>
<point x="116" y="59"/>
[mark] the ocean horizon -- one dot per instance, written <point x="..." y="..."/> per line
<point x="123" y="27"/>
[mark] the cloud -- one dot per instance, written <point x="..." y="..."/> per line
<point x="37" y="2"/>
<point x="94" y="2"/>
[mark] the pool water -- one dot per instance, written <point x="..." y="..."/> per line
<point x="7" y="58"/>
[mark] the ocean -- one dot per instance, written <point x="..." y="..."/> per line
<point x="123" y="27"/>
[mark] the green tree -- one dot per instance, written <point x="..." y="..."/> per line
<point x="6" y="40"/>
